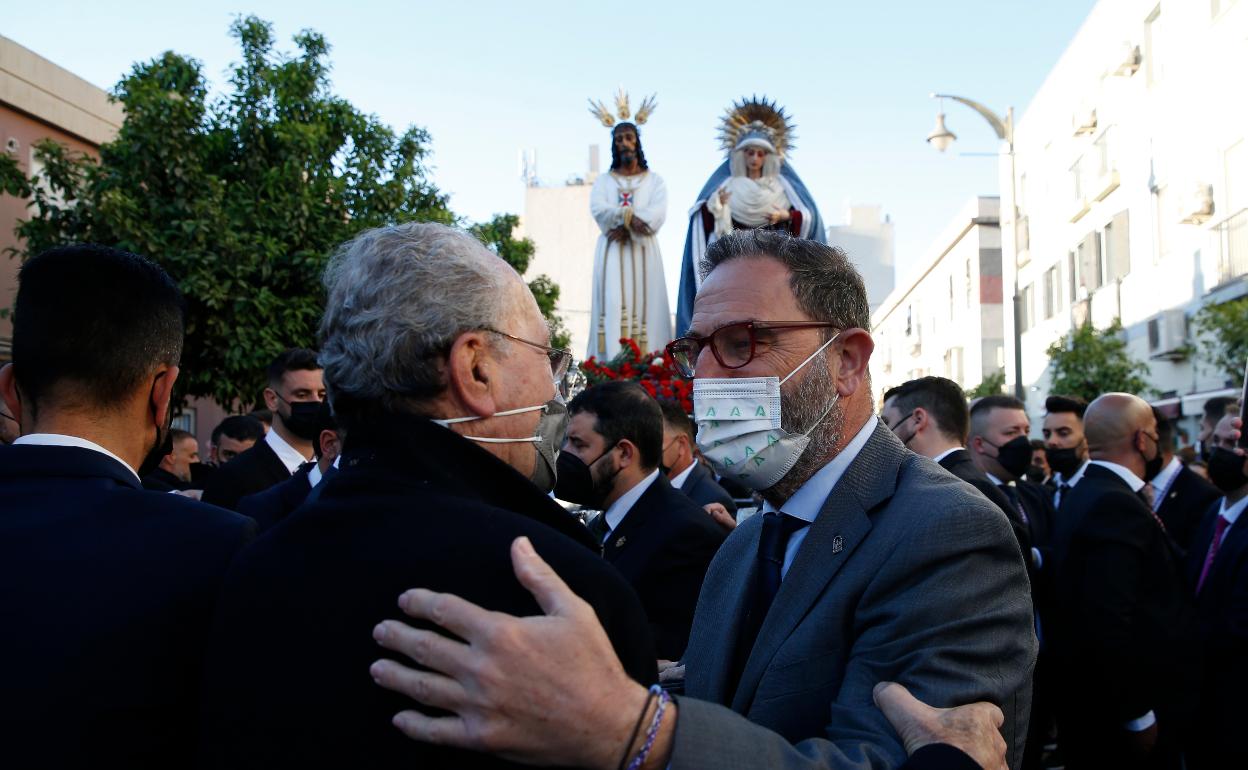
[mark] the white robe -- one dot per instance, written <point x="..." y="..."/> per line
<point x="630" y="294"/>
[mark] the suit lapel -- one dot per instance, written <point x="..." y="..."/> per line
<point x="635" y="519"/>
<point x="842" y="524"/>
<point x="720" y="610"/>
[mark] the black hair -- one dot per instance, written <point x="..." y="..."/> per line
<point x="262" y="415"/>
<point x="1066" y="405"/>
<point x="615" y="155"/>
<point x="92" y="323"/>
<point x="674" y="416"/>
<point x="942" y="398"/>
<point x="291" y="360"/>
<point x="324" y="421"/>
<point x="1038" y="443"/>
<point x="177" y="434"/>
<point x="240" y="427"/>
<point x="984" y="406"/>
<point x="1165" y="430"/>
<point x="1215" y="408"/>
<point x="622" y="410"/>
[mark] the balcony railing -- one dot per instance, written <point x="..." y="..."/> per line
<point x="1231" y="236"/>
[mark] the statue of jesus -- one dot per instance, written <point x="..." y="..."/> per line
<point x="629" y="204"/>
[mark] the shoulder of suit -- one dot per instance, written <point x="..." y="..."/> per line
<point x="922" y="485"/>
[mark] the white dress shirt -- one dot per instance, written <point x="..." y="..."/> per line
<point x="1074" y="479"/>
<point x="1231" y="515"/>
<point x="947" y="452"/>
<point x="1164" y="480"/>
<point x="809" y="498"/>
<point x="683" y="476"/>
<point x="616" y="512"/>
<point x="289" y="456"/>
<point x="58" y="439"/>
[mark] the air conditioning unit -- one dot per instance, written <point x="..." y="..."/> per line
<point x="1167" y="335"/>
<point x="1084" y="121"/>
<point x="1196" y="206"/>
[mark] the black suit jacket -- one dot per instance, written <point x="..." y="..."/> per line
<point x="106" y="598"/>
<point x="701" y="487"/>
<point x="253" y="471"/>
<point x="271" y="505"/>
<point x="1222" y="620"/>
<point x="1186" y="502"/>
<point x="1123" y="638"/>
<point x="412" y="505"/>
<point x="662" y="547"/>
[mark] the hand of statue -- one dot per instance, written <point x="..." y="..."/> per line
<point x="641" y="228"/>
<point x="618" y="234"/>
<point x="724" y="195"/>
<point x="973" y="728"/>
<point x="779" y="216"/>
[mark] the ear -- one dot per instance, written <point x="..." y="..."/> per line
<point x="162" y="392"/>
<point x="270" y="399"/>
<point x="976" y="445"/>
<point x="470" y="372"/>
<point x="330" y="445"/>
<point x="856" y="349"/>
<point x="629" y="454"/>
<point x="921" y="418"/>
<point x="8" y="392"/>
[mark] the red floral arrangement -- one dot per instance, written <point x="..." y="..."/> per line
<point x="656" y="372"/>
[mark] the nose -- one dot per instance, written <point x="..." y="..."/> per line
<point x="707" y="366"/>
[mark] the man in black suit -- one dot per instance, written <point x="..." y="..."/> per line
<point x="680" y="463"/>
<point x="1217" y="571"/>
<point x="294" y="393"/>
<point x="232" y="436"/>
<point x="438" y="368"/>
<point x="1066" y="446"/>
<point x="659" y="539"/>
<point x="280" y="500"/>
<point x="108" y="590"/>
<point x="1180" y="497"/>
<point x="173" y="473"/>
<point x="1122" y="640"/>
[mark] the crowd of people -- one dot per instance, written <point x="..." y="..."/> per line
<point x="427" y="548"/>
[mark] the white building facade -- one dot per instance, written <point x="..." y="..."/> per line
<point x="868" y="239"/>
<point x="1132" y="191"/>
<point x="945" y="318"/>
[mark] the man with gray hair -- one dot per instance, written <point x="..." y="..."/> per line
<point x="438" y="367"/>
<point x="868" y="563"/>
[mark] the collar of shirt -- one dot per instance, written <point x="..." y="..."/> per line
<point x="289" y="456"/>
<point x="996" y="480"/>
<point x="620" y="508"/>
<point x="1232" y="513"/>
<point x="1161" y="484"/>
<point x="58" y="439"/>
<point x="946" y="453"/>
<point x="314" y="474"/>
<point x="809" y="498"/>
<point x="1135" y="482"/>
<point x="1074" y="477"/>
<point x="683" y="476"/>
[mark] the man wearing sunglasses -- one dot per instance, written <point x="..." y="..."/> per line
<point x="868" y="563"/>
<point x="438" y="368"/>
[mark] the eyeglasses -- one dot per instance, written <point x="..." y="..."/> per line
<point x="735" y="344"/>
<point x="560" y="361"/>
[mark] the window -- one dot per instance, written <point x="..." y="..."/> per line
<point x="1154" y="47"/>
<point x="1025" y="309"/>
<point x="1164" y="216"/>
<point x="1076" y="178"/>
<point x="1103" y="162"/>
<point x="951" y="298"/>
<point x="1088" y="263"/>
<point x="968" y="282"/>
<point x="1117" y="247"/>
<point x="1052" y="292"/>
<point x="909" y="320"/>
<point x="1022" y="240"/>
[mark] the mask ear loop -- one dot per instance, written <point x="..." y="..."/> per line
<point x="486" y="440"/>
<point x="835" y="398"/>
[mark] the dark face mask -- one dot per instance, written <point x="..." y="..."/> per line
<point x="1226" y="469"/>
<point x="1014" y="456"/>
<point x="1064" y="461"/>
<point x="1152" y="465"/>
<point x="904" y="441"/>
<point x="304" y="418"/>
<point x="1035" y="474"/>
<point x="574" y="481"/>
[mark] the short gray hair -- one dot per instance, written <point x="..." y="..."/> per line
<point x="396" y="299"/>
<point x="826" y="285"/>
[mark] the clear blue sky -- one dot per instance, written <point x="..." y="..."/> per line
<point x="488" y="79"/>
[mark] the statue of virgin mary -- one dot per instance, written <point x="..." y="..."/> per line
<point x="754" y="187"/>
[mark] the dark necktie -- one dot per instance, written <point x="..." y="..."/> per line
<point x="772" y="543"/>
<point x="1016" y="501"/>
<point x="599" y="528"/>
<point x="1063" y="489"/>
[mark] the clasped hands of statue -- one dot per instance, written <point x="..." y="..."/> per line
<point x="623" y="233"/>
<point x="777" y="215"/>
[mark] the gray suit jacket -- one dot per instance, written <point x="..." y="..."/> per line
<point x="906" y="575"/>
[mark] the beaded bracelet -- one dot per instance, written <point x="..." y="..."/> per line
<point x="653" y="731"/>
<point x="637" y="727"/>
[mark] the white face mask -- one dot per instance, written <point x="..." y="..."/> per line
<point x="739" y="427"/>
<point x="551" y="429"/>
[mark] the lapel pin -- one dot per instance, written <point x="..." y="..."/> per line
<point x="620" y="543"/>
<point x="838" y="544"/>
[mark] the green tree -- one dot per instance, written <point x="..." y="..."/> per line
<point x="497" y="235"/>
<point x="241" y="198"/>
<point x="989" y="386"/>
<point x="1087" y="363"/>
<point x="1222" y="331"/>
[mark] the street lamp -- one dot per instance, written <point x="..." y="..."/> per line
<point x="940" y="138"/>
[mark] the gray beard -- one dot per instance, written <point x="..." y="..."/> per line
<point x="801" y="408"/>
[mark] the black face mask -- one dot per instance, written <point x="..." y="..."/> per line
<point x="574" y="481"/>
<point x="904" y="441"/>
<point x="163" y="445"/>
<point x="1152" y="465"/>
<point x="1035" y="474"/>
<point x="1064" y="461"/>
<point x="1014" y="456"/>
<point x="304" y="420"/>
<point x="1226" y="469"/>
